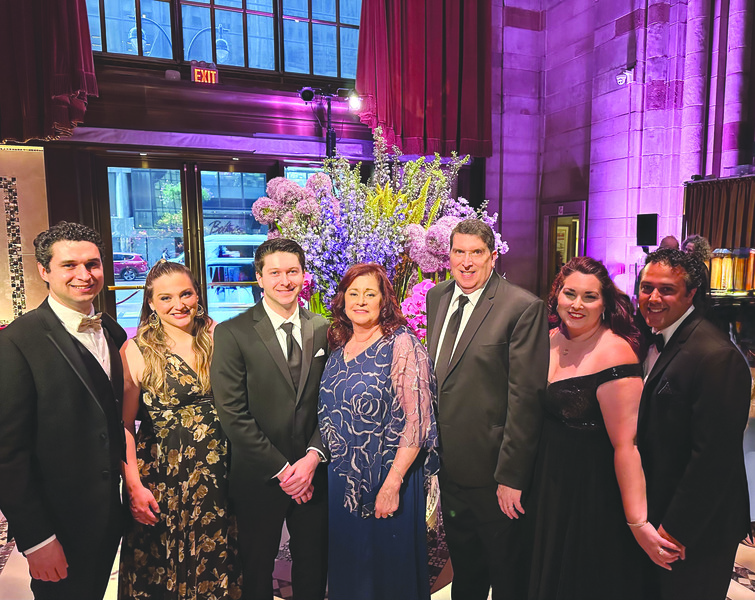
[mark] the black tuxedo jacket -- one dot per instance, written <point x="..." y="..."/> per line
<point x="266" y="420"/>
<point x="489" y="399"/>
<point x="60" y="448"/>
<point x="692" y="418"/>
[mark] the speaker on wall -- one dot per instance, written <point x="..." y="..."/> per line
<point x="647" y="229"/>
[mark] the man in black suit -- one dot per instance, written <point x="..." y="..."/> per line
<point x="491" y="361"/>
<point x="692" y="418"/>
<point x="266" y="374"/>
<point x="61" y="434"/>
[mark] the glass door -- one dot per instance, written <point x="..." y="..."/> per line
<point x="197" y="214"/>
<point x="231" y="237"/>
<point x="146" y="225"/>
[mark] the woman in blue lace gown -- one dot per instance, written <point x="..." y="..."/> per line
<point x="181" y="543"/>
<point x="377" y="420"/>
<point x="587" y="511"/>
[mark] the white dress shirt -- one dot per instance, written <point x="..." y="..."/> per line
<point x="473" y="298"/>
<point x="93" y="341"/>
<point x="653" y="353"/>
<point x="277" y="321"/>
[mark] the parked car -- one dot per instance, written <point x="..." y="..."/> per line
<point x="129" y="266"/>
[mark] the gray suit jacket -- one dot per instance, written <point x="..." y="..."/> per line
<point x="267" y="421"/>
<point x="489" y="401"/>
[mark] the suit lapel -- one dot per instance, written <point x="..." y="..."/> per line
<point x="264" y="328"/>
<point x="307" y="351"/>
<point x="116" y="367"/>
<point x="440" y="317"/>
<point x="65" y="344"/>
<point x="481" y="310"/>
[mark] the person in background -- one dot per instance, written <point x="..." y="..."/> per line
<point x="377" y="420"/>
<point x="266" y="377"/>
<point x="181" y="542"/>
<point x="61" y="436"/>
<point x="490" y="343"/>
<point x="589" y="485"/>
<point x="669" y="242"/>
<point x="692" y="417"/>
<point x="697" y="245"/>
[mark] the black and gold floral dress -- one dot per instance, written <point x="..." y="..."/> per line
<point x="190" y="554"/>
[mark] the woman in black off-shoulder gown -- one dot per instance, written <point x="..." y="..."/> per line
<point x="587" y="512"/>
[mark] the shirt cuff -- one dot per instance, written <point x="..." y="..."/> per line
<point x="323" y="459"/>
<point x="286" y="466"/>
<point x="49" y="540"/>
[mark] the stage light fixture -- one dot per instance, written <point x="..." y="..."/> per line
<point x="307" y="94"/>
<point x="355" y="101"/>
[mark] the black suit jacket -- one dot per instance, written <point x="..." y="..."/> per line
<point x="57" y="461"/>
<point x="692" y="418"/>
<point x="266" y="420"/>
<point x="489" y="401"/>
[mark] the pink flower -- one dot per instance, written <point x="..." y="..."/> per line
<point x="266" y="210"/>
<point x="273" y="234"/>
<point x="319" y="182"/>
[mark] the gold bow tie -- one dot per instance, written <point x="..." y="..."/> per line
<point x="90" y="323"/>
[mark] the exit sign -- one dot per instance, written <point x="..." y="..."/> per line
<point x="202" y="72"/>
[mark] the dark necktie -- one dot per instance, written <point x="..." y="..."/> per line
<point x="656" y="339"/>
<point x="293" y="352"/>
<point x="452" y="332"/>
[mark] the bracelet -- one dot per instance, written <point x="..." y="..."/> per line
<point x="638" y="525"/>
<point x="399" y="473"/>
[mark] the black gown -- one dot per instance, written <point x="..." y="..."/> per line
<point x="580" y="545"/>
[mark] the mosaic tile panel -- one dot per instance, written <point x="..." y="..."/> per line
<point x="15" y="259"/>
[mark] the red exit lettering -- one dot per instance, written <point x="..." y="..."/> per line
<point x="205" y="75"/>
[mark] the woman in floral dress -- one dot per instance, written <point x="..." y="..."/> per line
<point x="181" y="544"/>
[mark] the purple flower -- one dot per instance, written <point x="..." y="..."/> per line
<point x="273" y="234"/>
<point x="438" y="239"/>
<point x="266" y="210"/>
<point x="320" y="182"/>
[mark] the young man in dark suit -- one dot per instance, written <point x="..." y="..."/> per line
<point x="489" y="340"/>
<point x="692" y="418"/>
<point x="266" y="373"/>
<point x="61" y="434"/>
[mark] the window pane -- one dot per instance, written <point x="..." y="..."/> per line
<point x="296" y="46"/>
<point x="324" y="10"/>
<point x="120" y="26"/>
<point x="197" y="33"/>
<point x="93" y="16"/>
<point x="349" y="47"/>
<point x="324" y="51"/>
<point x="296" y="8"/>
<point x="261" y="42"/>
<point x="350" y="11"/>
<point x="261" y="5"/>
<point x="147" y="224"/>
<point x="229" y="45"/>
<point x="231" y="3"/>
<point x="231" y="237"/>
<point x="156" y="27"/>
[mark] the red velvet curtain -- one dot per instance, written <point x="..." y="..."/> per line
<point x="48" y="70"/>
<point x="723" y="211"/>
<point x="424" y="72"/>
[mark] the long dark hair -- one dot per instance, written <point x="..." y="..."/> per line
<point x="391" y="318"/>
<point x="618" y="314"/>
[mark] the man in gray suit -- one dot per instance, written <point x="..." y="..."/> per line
<point x="266" y="373"/>
<point x="489" y="339"/>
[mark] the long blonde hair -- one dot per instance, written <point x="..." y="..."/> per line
<point x="152" y="341"/>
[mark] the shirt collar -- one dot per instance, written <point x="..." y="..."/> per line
<point x="69" y="317"/>
<point x="671" y="329"/>
<point x="277" y="320"/>
<point x="473" y="297"/>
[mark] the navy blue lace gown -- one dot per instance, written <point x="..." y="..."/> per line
<point x="370" y="406"/>
<point x="582" y="548"/>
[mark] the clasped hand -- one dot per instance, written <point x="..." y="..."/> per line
<point x="296" y="479"/>
<point x="144" y="507"/>
<point x="662" y="549"/>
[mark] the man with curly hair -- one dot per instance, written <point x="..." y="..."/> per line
<point x="691" y="422"/>
<point x="61" y="434"/>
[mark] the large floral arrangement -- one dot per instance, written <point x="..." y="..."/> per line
<point x="402" y="219"/>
